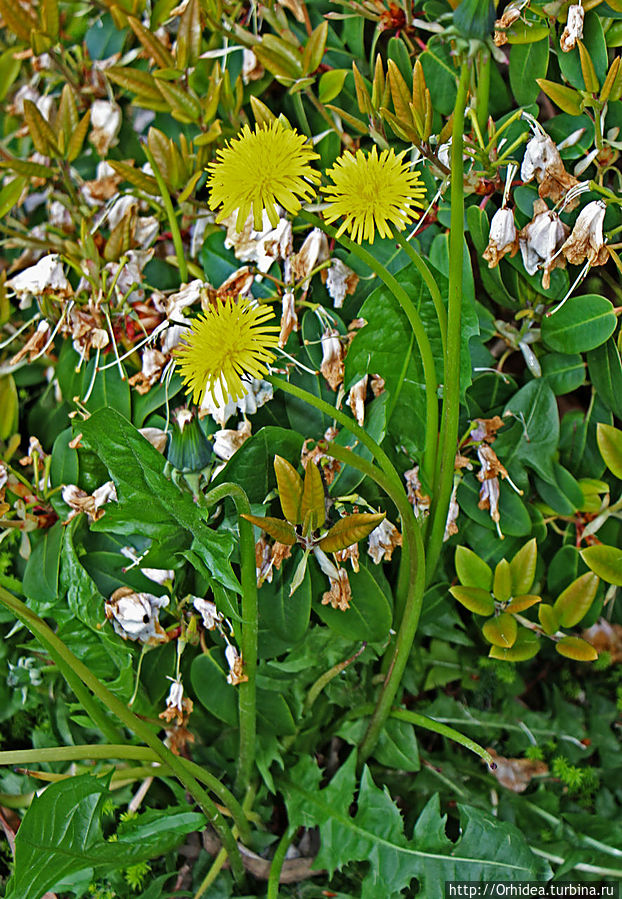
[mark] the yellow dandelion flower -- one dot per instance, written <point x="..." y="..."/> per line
<point x="372" y="192"/>
<point x="259" y="169"/>
<point x="231" y="339"/>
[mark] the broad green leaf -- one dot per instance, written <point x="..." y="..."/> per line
<point x="369" y="615"/>
<point x="563" y="371"/>
<point x="475" y="599"/>
<point x="577" y="649"/>
<point x="273" y="714"/>
<point x="9" y="407"/>
<point x="547" y="617"/>
<point x="525" y="647"/>
<point x="313" y="502"/>
<point x="523" y="568"/>
<point x="502" y="584"/>
<point x="40" y="581"/>
<point x="330" y="84"/>
<point x="582" y="324"/>
<point x="283" y="620"/>
<point x="523" y="601"/>
<point x="276" y="527"/>
<point x="610" y="446"/>
<point x="290" y="489"/>
<point x="472" y="571"/>
<point x="515" y="520"/>
<point x="61" y="834"/>
<point x="501" y="630"/>
<point x="209" y="682"/>
<point x="532" y="439"/>
<point x="474" y="19"/>
<point x="565" y="97"/>
<point x="10" y="194"/>
<point x="440" y="73"/>
<point x="575" y="601"/>
<point x="252" y="465"/>
<point x="605" y="370"/>
<point x="487" y="849"/>
<point x="528" y="62"/>
<point x="350" y="530"/>
<point x="605" y="561"/>
<point x="138" y="471"/>
<point x="314" y="48"/>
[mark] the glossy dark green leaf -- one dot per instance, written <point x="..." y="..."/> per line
<point x="369" y="615"/>
<point x="138" y="471"/>
<point x="532" y="438"/>
<point x="582" y="324"/>
<point x="40" y="582"/>
<point x="605" y="370"/>
<point x="564" y="372"/>
<point x="64" y="465"/>
<point x="209" y="682"/>
<point x="528" y="62"/>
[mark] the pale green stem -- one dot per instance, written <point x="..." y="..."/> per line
<point x="107" y="751"/>
<point x="423" y="341"/>
<point x="451" y="390"/>
<point x="247" y="695"/>
<point x="412" y="608"/>
<point x="170" y="213"/>
<point x="277" y="862"/>
<point x="39" y="629"/>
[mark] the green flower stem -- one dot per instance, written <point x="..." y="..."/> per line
<point x="412" y="608"/>
<point x="356" y="430"/>
<point x="430" y="283"/>
<point x="423" y="342"/>
<point x="247" y="696"/>
<point x="278" y="858"/>
<point x="39" y="629"/>
<point x="107" y="751"/>
<point x="426" y="723"/>
<point x="483" y="88"/>
<point x="170" y="213"/>
<point x="451" y="391"/>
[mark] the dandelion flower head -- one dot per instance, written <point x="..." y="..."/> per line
<point x="372" y="192"/>
<point x="225" y="343"/>
<point x="259" y="169"/>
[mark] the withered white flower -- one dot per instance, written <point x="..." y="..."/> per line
<point x="47" y="276"/>
<point x="105" y="125"/>
<point x="313" y="251"/>
<point x="221" y="408"/>
<point x="156" y="437"/>
<point x="503" y="237"/>
<point x="340" y="281"/>
<point x="451" y="527"/>
<point x="540" y="241"/>
<point x="130" y="275"/>
<point x="236" y="666"/>
<point x="175" y="696"/>
<point x="543" y="162"/>
<point x="332" y="357"/>
<point x="153" y="362"/>
<point x="383" y="540"/>
<point x="80" y="501"/>
<point x="356" y="399"/>
<point x="208" y="612"/>
<point x="261" y="247"/>
<point x="134" y="615"/>
<point x="289" y="319"/>
<point x="252" y="69"/>
<point x="586" y="240"/>
<point x="420" y="501"/>
<point x="228" y="441"/>
<point x="340" y="592"/>
<point x="573" y="31"/>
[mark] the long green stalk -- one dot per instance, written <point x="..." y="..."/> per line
<point x="247" y="696"/>
<point x="430" y="283"/>
<point x="423" y="342"/>
<point x="128" y="752"/>
<point x="39" y="629"/>
<point x="451" y="389"/>
<point x="170" y="214"/>
<point x="412" y="608"/>
<point x="356" y="430"/>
